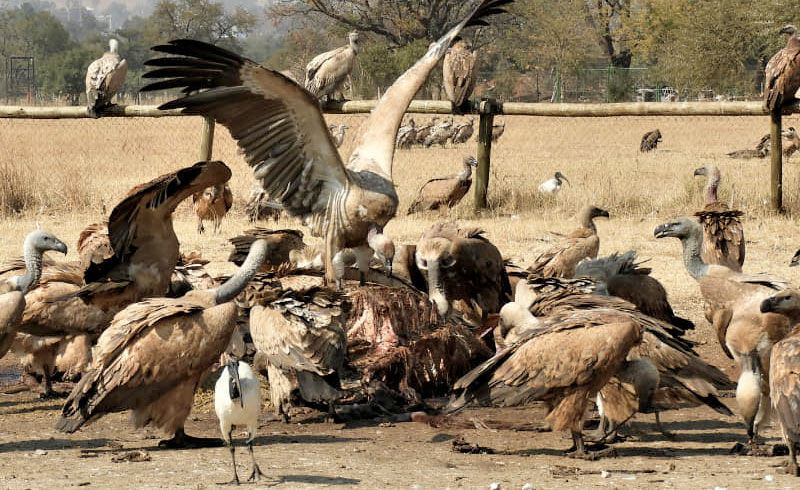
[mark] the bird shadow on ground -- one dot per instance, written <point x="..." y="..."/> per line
<point x="317" y="480"/>
<point x="303" y="439"/>
<point x="52" y="444"/>
<point x="29" y="409"/>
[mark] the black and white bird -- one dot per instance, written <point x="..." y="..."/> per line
<point x="237" y="401"/>
<point x="552" y="186"/>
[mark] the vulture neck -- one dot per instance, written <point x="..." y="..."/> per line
<point x="691" y="255"/>
<point x="711" y="187"/>
<point x="586" y="218"/>
<point x="233" y="286"/>
<point x="466" y="173"/>
<point x="354" y="46"/>
<point x="33" y="266"/>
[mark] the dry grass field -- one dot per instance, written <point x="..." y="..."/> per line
<point x="66" y="174"/>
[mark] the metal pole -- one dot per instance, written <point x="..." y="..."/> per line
<point x="776" y="161"/>
<point x="487" y="109"/>
<point x="207" y="139"/>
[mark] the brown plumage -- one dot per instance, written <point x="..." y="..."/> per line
<point x="94" y="246"/>
<point x="459" y="72"/>
<point x="793" y="143"/>
<point x="445" y="192"/>
<point x="783" y="73"/>
<point x="461" y="264"/>
<point x="498" y="130"/>
<point x="260" y="207"/>
<point x="141" y="362"/>
<point x="326" y="73"/>
<point x="760" y="151"/>
<point x="281" y="243"/>
<point x="732" y="302"/>
<point x="723" y="233"/>
<point x="212" y="204"/>
<point x="650" y="141"/>
<point x="583" y="243"/>
<point x="784" y="373"/>
<point x="104" y="77"/>
<point x="464" y="131"/>
<point x="407" y="135"/>
<point x="66" y="358"/>
<point x="422" y="132"/>
<point x="296" y="159"/>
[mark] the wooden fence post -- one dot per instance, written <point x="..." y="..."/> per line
<point x="487" y="108"/>
<point x="207" y="139"/>
<point x="776" y="160"/>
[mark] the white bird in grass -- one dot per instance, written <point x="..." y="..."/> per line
<point x="237" y="401"/>
<point x="553" y="186"/>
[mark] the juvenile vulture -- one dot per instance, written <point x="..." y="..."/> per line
<point x="783" y="73"/>
<point x="791" y="146"/>
<point x="13" y="289"/>
<point x="326" y="73"/>
<point x="650" y="141"/>
<point x="145" y="253"/>
<point x="141" y="363"/>
<point x="338" y="135"/>
<point x="260" y="207"/>
<point x="212" y="204"/>
<point x="299" y="326"/>
<point x="784" y="373"/>
<point x="464" y="131"/>
<point x="459" y="72"/>
<point x="104" y="78"/>
<point x="552" y="187"/>
<point x="461" y="264"/>
<point x="445" y="192"/>
<point x="583" y="243"/>
<point x="732" y="302"/>
<point x="723" y="234"/>
<point x="498" y="130"/>
<point x="281" y="244"/>
<point x="280" y="128"/>
<point x="407" y="135"/>
<point x="440" y="134"/>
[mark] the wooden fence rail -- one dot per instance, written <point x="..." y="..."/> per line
<point x="486" y="109"/>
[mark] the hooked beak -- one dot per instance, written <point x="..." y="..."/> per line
<point x="661" y="230"/>
<point x="768" y="305"/>
<point x="700" y="171"/>
<point x="604" y="213"/>
<point x="786" y="30"/>
<point x="61" y="247"/>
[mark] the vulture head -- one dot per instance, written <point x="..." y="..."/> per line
<point x="383" y="247"/>
<point x="40" y="241"/>
<point x="790" y="133"/>
<point x="782" y="303"/>
<point x="434" y="257"/>
<point x="113" y="45"/>
<point x="558" y="176"/>
<point x="789" y="29"/>
<point x="681" y="228"/>
<point x="353" y="38"/>
<point x="515" y="319"/>
<point x="795" y="259"/>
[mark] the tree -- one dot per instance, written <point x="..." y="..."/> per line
<point x="65" y="74"/>
<point x="608" y="20"/>
<point x="203" y="20"/>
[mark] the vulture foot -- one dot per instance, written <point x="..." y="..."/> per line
<point x="181" y="441"/>
<point x="792" y="469"/>
<point x="592" y="455"/>
<point x="750" y="449"/>
<point x="53" y="395"/>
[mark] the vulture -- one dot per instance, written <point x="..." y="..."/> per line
<point x="732" y="302"/>
<point x="561" y="359"/>
<point x="281" y="130"/>
<point x="461" y="264"/>
<point x="795" y="259"/>
<point x="260" y="207"/>
<point x="49" y="358"/>
<point x="445" y="192"/>
<point x="94" y="247"/>
<point x="212" y="204"/>
<point x="793" y="144"/>
<point x="423" y="131"/>
<point x="141" y="363"/>
<point x="583" y="243"/>
<point x="383" y="248"/>
<point x="498" y="130"/>
<point x="784" y="372"/>
<point x="103" y="79"/>
<point x="13" y="289"/>
<point x="552" y="187"/>
<point x="281" y="244"/>
<point x="761" y="150"/>
<point x="459" y="72"/>
<point x="338" y="135"/>
<point x="783" y="73"/>
<point x="723" y="236"/>
<point x="326" y="73"/>
<point x="440" y="134"/>
<point x="145" y="253"/>
<point x="298" y="325"/>
<point x="650" y="141"/>
<point x="407" y="135"/>
<point x="464" y="131"/>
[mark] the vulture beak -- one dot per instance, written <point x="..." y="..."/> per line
<point x="795" y="260"/>
<point x="768" y="305"/>
<point x="603" y="213"/>
<point x="662" y="231"/>
<point x="700" y="171"/>
<point x="234" y="385"/>
<point x="60" y="247"/>
<point x="787" y="30"/>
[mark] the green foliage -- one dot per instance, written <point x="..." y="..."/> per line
<point x="204" y="20"/>
<point x="65" y="73"/>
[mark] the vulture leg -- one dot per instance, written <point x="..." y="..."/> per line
<point x="791" y="465"/>
<point x="233" y="459"/>
<point x="49" y="393"/>
<point x="664" y="432"/>
<point x="256" y="474"/>
<point x="363" y="256"/>
<point x="579" y="451"/>
<point x="181" y="441"/>
<point x="607" y="431"/>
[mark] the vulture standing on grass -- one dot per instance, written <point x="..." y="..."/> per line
<point x="141" y="363"/>
<point x="459" y="72"/>
<point x="784" y="373"/>
<point x="583" y="243"/>
<point x="440" y="134"/>
<point x="212" y="204"/>
<point x="650" y="141"/>
<point x="723" y="234"/>
<point x="551" y="187"/>
<point x="104" y="78"/>
<point x="464" y="131"/>
<point x="445" y="192"/>
<point x="145" y="253"/>
<point x="793" y="144"/>
<point x="732" y="302"/>
<point x="461" y="264"/>
<point x="407" y="135"/>
<point x="423" y="131"/>
<point x="280" y="128"/>
<point x="326" y="73"/>
<point x="783" y="73"/>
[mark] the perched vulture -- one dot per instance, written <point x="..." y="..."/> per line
<point x="145" y="253"/>
<point x="281" y="243"/>
<point x="212" y="204"/>
<point x="461" y="264"/>
<point x="732" y="302"/>
<point x="464" y="131"/>
<point x="104" y="78"/>
<point x="281" y="130"/>
<point x="326" y="73"/>
<point x="583" y="243"/>
<point x="141" y="363"/>
<point x="783" y="73"/>
<point x="650" y="141"/>
<point x="784" y="373"/>
<point x="459" y="72"/>
<point x="260" y="207"/>
<point x="552" y="187"/>
<point x="445" y="192"/>
<point x="498" y="130"/>
<point x="723" y="235"/>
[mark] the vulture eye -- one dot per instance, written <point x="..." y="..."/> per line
<point x="422" y="264"/>
<point x="785" y="298"/>
<point x="448" y="261"/>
